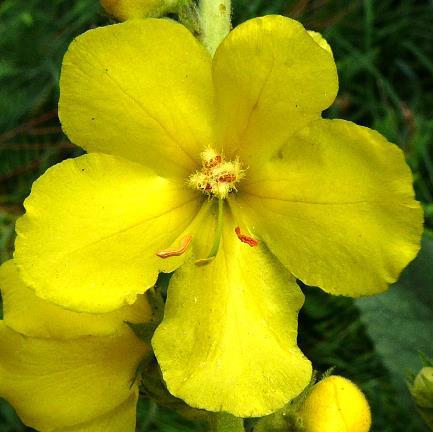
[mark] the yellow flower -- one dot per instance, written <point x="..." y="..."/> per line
<point x="128" y="9"/>
<point x="336" y="404"/>
<point x="65" y="371"/>
<point x="223" y="162"/>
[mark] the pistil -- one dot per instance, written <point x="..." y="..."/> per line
<point x="219" y="230"/>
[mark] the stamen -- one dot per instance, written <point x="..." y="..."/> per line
<point x="218" y="177"/>
<point x="213" y="252"/>
<point x="167" y="253"/>
<point x="246" y="239"/>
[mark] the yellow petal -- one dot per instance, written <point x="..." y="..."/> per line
<point x="54" y="384"/>
<point x="319" y="39"/>
<point x="337" y="209"/>
<point x="271" y="79"/>
<point x="93" y="225"/>
<point x="28" y="314"/>
<point x="142" y="90"/>
<point x="228" y="338"/>
<point x="120" y="419"/>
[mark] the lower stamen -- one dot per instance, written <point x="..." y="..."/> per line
<point x="167" y="253"/>
<point x="246" y="239"/>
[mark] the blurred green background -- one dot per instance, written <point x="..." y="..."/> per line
<point x="384" y="54"/>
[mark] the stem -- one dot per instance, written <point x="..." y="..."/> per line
<point x="215" y="22"/>
<point x="219" y="230"/>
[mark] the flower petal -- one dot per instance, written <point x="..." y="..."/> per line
<point x="47" y="320"/>
<point x="93" y="225"/>
<point x="319" y="39"/>
<point x="337" y="209"/>
<point x="271" y="79"/>
<point x="228" y="338"/>
<point x="59" y="383"/>
<point x="120" y="419"/>
<point x="141" y="90"/>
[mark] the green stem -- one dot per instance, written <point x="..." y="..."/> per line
<point x="215" y="22"/>
<point x="223" y="422"/>
<point x="219" y="230"/>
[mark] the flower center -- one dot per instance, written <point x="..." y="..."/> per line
<point x="218" y="177"/>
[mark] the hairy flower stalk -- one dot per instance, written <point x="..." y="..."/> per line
<point x="215" y="22"/>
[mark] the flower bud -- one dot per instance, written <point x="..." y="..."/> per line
<point x="422" y="388"/>
<point x="335" y="404"/>
<point x="128" y="9"/>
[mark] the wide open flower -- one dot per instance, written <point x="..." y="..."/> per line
<point x="191" y="158"/>
<point x="65" y="371"/>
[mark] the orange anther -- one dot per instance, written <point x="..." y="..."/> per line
<point x="246" y="239"/>
<point x="167" y="253"/>
<point x="227" y="178"/>
<point x="214" y="162"/>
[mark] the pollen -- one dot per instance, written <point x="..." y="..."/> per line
<point x="218" y="177"/>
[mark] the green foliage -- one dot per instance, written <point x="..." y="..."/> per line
<point x="384" y="52"/>
<point x="9" y="421"/>
<point x="400" y="322"/>
<point x="153" y="418"/>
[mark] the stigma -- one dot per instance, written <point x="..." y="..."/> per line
<point x="218" y="177"/>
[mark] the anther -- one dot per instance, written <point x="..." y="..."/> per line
<point x="246" y="239"/>
<point x="218" y="177"/>
<point x="213" y="162"/>
<point x="227" y="178"/>
<point x="204" y="261"/>
<point x="167" y="253"/>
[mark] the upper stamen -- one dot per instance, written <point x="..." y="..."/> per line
<point x="217" y="177"/>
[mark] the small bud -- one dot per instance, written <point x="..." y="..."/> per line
<point x="422" y="392"/>
<point x="422" y="388"/>
<point x="335" y="404"/>
<point x="128" y="9"/>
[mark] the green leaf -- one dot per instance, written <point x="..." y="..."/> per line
<point x="400" y="321"/>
